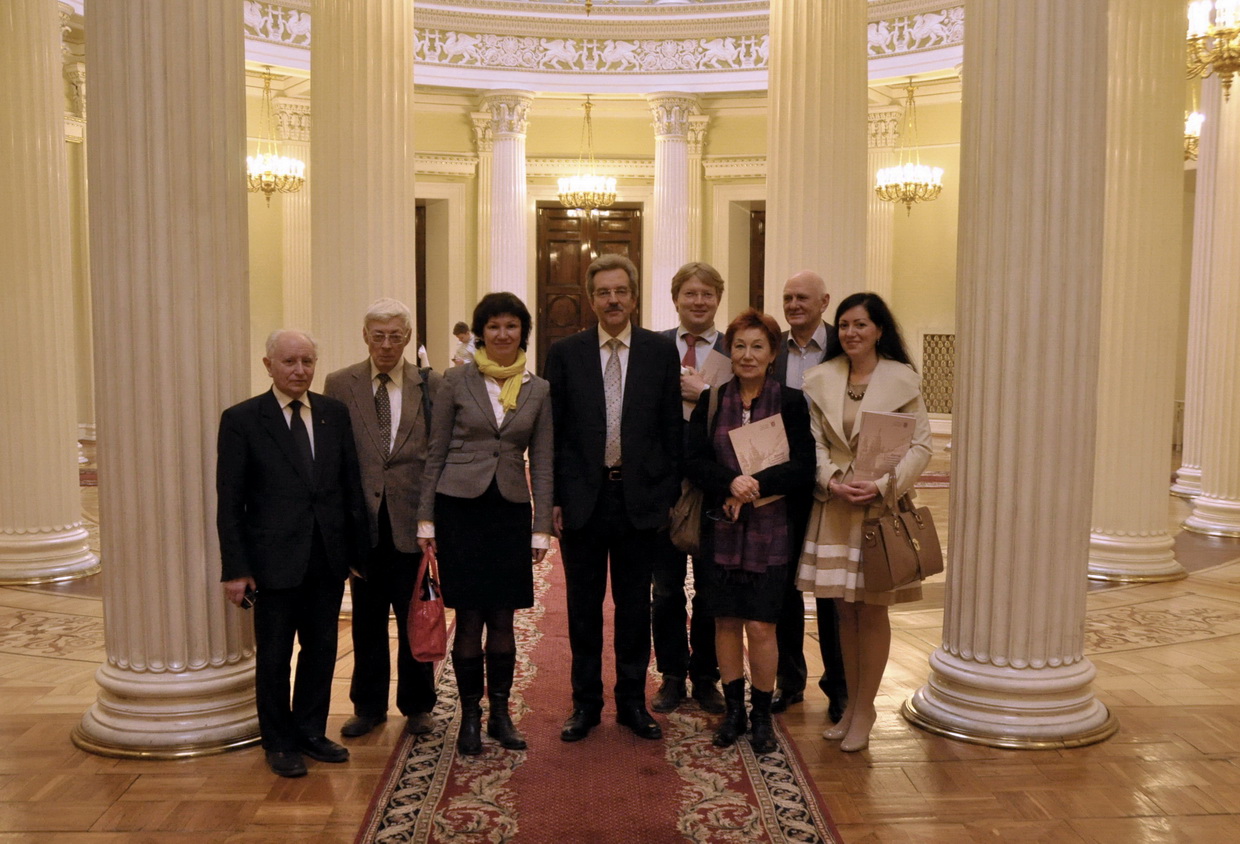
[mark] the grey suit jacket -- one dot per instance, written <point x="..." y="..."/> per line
<point x="468" y="449"/>
<point x="399" y="476"/>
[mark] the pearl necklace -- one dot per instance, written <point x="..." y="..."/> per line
<point x="855" y="396"/>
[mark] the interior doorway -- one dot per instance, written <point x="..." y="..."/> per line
<point x="568" y="240"/>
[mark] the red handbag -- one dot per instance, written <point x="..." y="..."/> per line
<point x="428" y="632"/>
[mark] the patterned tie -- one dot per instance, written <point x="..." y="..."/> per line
<point x="300" y="438"/>
<point x="691" y="341"/>
<point x="383" y="409"/>
<point x="614" y="394"/>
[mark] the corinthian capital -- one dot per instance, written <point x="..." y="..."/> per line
<point x="484" y="139"/>
<point x="292" y="119"/>
<point x="883" y="126"/>
<point x="510" y="111"/>
<point x="671" y="113"/>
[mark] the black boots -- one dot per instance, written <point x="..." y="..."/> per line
<point x="733" y="714"/>
<point x="762" y="735"/>
<point x="469" y="686"/>
<point x="499" y="685"/>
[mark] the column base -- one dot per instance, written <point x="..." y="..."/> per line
<point x="1133" y="559"/>
<point x="1187" y="482"/>
<point x="170" y="715"/>
<point x="46" y="556"/>
<point x="1214" y="517"/>
<point x="1016" y="708"/>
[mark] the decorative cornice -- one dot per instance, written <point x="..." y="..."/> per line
<point x="510" y="112"/>
<point x="446" y="164"/>
<point x="292" y="119"/>
<point x="883" y="126"/>
<point x="734" y="166"/>
<point x="671" y="113"/>
<point x="915" y="33"/>
<point x="623" y="168"/>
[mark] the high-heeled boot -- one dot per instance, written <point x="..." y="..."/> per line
<point x="733" y="713"/>
<point x="499" y="687"/>
<point x="762" y="731"/>
<point x="469" y="686"/>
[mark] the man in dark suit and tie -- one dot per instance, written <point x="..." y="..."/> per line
<point x="615" y="393"/>
<point x="291" y="524"/>
<point x="803" y="347"/>
<point x="697" y="289"/>
<point x="386" y="401"/>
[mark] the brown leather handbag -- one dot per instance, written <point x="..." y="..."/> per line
<point x="686" y="521"/>
<point x="899" y="547"/>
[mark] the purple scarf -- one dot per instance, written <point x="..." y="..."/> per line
<point x="759" y="538"/>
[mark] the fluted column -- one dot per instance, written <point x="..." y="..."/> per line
<point x="362" y="221"/>
<point x="1129" y="540"/>
<point x="41" y="533"/>
<point x="1011" y="669"/>
<point x="509" y="223"/>
<point x="166" y="144"/>
<point x="1216" y="510"/>
<point x="485" y="143"/>
<point x="816" y="145"/>
<point x="883" y="125"/>
<point x="671" y="113"/>
<point x="293" y="128"/>
<point x="1188" y="477"/>
<point x="698" y="124"/>
<point x="75" y="149"/>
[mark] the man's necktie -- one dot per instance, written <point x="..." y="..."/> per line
<point x="301" y="437"/>
<point x="614" y="394"/>
<point x="691" y="341"/>
<point x="383" y="409"/>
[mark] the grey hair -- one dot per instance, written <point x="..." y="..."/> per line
<point x="381" y="310"/>
<point x="273" y="340"/>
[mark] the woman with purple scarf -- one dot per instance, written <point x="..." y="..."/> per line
<point x="747" y="542"/>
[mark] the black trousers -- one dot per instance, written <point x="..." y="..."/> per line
<point x="308" y="613"/>
<point x="674" y="654"/>
<point x="791" y="672"/>
<point x="608" y="537"/>
<point x="388" y="587"/>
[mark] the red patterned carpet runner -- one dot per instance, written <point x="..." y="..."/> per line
<point x="610" y="787"/>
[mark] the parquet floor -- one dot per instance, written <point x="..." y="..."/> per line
<point x="1168" y="661"/>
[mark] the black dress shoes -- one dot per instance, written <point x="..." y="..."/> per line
<point x="706" y="693"/>
<point x="323" y="749"/>
<point x="417" y="724"/>
<point x="670" y="694"/>
<point x="579" y="724"/>
<point x="784" y="698"/>
<point x="286" y="763"/>
<point x="360" y="725"/>
<point x="636" y="718"/>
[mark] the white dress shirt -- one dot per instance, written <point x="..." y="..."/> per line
<point x="604" y="353"/>
<point x="306" y="416"/>
<point x="704" y="348"/>
<point x="395" y="389"/>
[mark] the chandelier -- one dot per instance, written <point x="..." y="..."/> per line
<point x="269" y="171"/>
<point x="909" y="181"/>
<point x="1214" y="47"/>
<point x="587" y="189"/>
<point x="1192" y="134"/>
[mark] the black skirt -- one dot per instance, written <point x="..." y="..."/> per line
<point x="736" y="594"/>
<point x="484" y="551"/>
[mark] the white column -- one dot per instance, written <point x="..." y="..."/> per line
<point x="1011" y="670"/>
<point x="816" y="145"/>
<point x="293" y="128"/>
<point x="485" y="144"/>
<point x="83" y="338"/>
<point x="171" y="338"/>
<point x="509" y="221"/>
<point x="1130" y="540"/>
<point x="41" y="532"/>
<point x="1216" y="510"/>
<point x="698" y="124"/>
<point x="1188" y="476"/>
<point x="362" y="221"/>
<point x="670" y="250"/>
<point x="883" y="127"/>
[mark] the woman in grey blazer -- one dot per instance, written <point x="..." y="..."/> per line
<point x="475" y="508"/>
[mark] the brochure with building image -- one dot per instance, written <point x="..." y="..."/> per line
<point x="761" y="445"/>
<point x="884" y="439"/>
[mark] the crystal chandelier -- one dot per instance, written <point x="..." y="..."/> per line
<point x="1214" y="47"/>
<point x="587" y="189"/>
<point x="909" y="181"/>
<point x="269" y="171"/>
<point x="1192" y="134"/>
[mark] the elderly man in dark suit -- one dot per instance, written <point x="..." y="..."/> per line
<point x="615" y="393"/>
<point x="291" y="525"/>
<point x="387" y="402"/>
<point x="804" y="345"/>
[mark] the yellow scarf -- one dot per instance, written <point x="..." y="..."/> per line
<point x="512" y="386"/>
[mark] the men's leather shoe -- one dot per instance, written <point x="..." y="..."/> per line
<point x="670" y="694"/>
<point x="784" y="698"/>
<point x="836" y="707"/>
<point x="636" y="718"/>
<point x="323" y="749"/>
<point x="706" y="693"/>
<point x="419" y="724"/>
<point x="286" y="763"/>
<point x="360" y="725"/>
<point x="579" y="724"/>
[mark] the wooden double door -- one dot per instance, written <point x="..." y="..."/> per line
<point x="568" y="240"/>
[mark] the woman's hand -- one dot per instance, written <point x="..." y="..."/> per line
<point x="745" y="488"/>
<point x="732" y="507"/>
<point x="537" y="554"/>
<point x="427" y="542"/>
<point x="858" y="493"/>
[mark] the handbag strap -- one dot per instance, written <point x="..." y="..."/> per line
<point x="429" y="566"/>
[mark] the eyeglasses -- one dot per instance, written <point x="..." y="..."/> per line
<point x="395" y="338"/>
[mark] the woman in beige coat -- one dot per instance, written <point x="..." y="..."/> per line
<point x="866" y="369"/>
